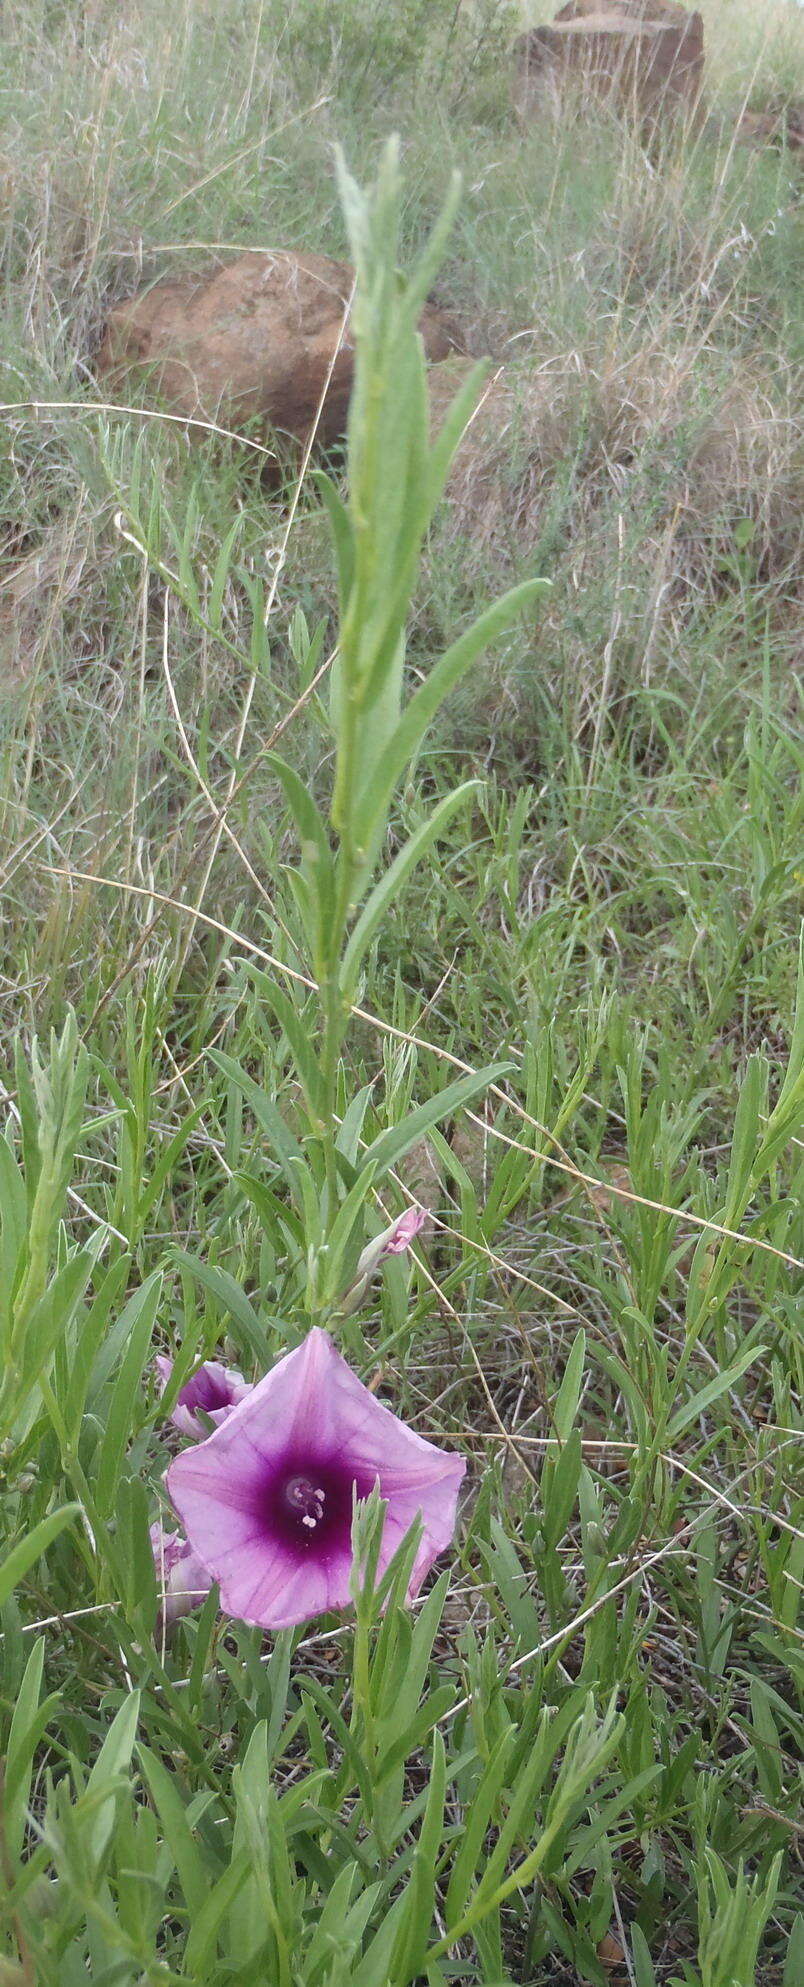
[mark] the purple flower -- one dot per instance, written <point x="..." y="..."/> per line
<point x="214" y="1388"/>
<point x="396" y="1239"/>
<point x="392" y="1241"/>
<point x="266" y="1501"/>
<point x="183" y="1581"/>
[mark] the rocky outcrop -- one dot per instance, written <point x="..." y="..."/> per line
<point x="255" y="342"/>
<point x="641" y="57"/>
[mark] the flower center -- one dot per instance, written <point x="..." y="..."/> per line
<point x="305" y="1500"/>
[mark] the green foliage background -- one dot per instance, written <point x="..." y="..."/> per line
<point x="580" y="1756"/>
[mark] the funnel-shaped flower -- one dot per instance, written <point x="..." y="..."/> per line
<point x="182" y="1579"/>
<point x="214" y="1388"/>
<point x="266" y="1501"/>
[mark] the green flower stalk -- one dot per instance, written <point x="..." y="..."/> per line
<point x="395" y="477"/>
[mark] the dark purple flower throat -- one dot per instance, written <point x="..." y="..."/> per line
<point x="209" y="1389"/>
<point x="307" y="1503"/>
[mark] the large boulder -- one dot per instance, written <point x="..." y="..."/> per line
<point x="661" y="13"/>
<point x="644" y="57"/>
<point x="251" y="343"/>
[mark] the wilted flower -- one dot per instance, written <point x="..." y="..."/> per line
<point x="214" y="1388"/>
<point x="266" y="1501"/>
<point x="183" y="1581"/>
<point x="392" y="1241"/>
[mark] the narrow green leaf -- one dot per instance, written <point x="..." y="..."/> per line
<point x="27" y="1724"/>
<point x="348" y="1139"/>
<point x="477" y="1820"/>
<point x="453" y="427"/>
<point x="50" y="1317"/>
<point x="560" y="1481"/>
<point x="300" y="1038"/>
<point x="794" y="1963"/>
<point x="201" y="1944"/>
<point x="390" y="884"/>
<point x="644" y="1974"/>
<point x="423" y="706"/>
<point x="87" y="1366"/>
<point x="790" y="1101"/>
<point x="23" y="1555"/>
<point x="283" y="1143"/>
<point x="141" y="1310"/>
<point x="114" y="1760"/>
<point x="409" y="1950"/>
<point x="168" y="1161"/>
<point x="333" y="1717"/>
<point x="569" y="1393"/>
<point x="222" y="1285"/>
<point x="374" y="1968"/>
<point x="713" y="1390"/>
<point x="391" y="1146"/>
<point x="309" y="825"/>
<point x="342" y="1231"/>
<point x="221" y="575"/>
<point x="744" y="1140"/>
<point x="279" y="1220"/>
<point x="13" y="1198"/>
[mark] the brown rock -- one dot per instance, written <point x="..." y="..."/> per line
<point x="774" y="127"/>
<point x="664" y="13"/>
<point x="640" y="56"/>
<point x="253" y="342"/>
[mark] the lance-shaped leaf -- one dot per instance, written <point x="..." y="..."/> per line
<point x="418" y="714"/>
<point x="386" y="891"/>
<point x="23" y="1555"/>
<point x="300" y="1040"/>
<point x="391" y="1145"/>
<point x="317" y="868"/>
<point x="269" y="1118"/>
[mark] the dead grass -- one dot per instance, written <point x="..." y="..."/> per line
<point x="721" y="456"/>
<point x="37" y="591"/>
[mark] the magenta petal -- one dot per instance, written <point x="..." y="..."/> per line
<point x="214" y="1388"/>
<point x="164" y="1368"/>
<point x="399" y="1236"/>
<point x="182" y="1578"/>
<point x="392" y="1241"/>
<point x="266" y="1501"/>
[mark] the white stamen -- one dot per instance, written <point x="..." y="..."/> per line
<point x="308" y="1499"/>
